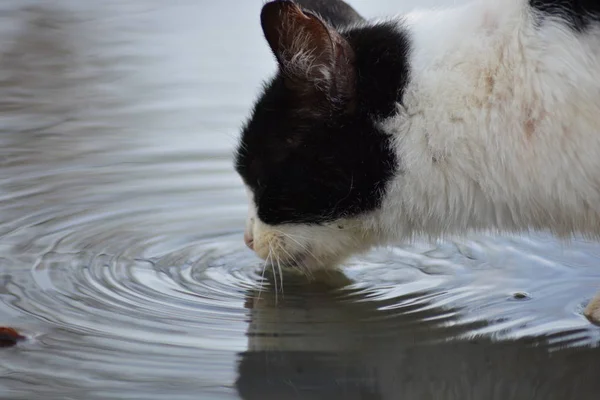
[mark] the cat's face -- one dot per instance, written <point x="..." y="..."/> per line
<point x="312" y="157"/>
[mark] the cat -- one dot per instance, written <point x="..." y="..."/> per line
<point x="478" y="117"/>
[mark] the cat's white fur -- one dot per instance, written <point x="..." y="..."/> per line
<point x="510" y="114"/>
<point x="499" y="130"/>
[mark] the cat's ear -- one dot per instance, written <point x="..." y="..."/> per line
<point x="313" y="58"/>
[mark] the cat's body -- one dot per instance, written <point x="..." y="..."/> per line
<point x="500" y="124"/>
<point x="484" y="116"/>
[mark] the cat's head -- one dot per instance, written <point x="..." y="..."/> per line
<point x="313" y="156"/>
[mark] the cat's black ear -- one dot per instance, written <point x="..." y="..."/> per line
<point x="313" y="57"/>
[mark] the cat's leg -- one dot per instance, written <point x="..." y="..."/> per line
<point x="592" y="311"/>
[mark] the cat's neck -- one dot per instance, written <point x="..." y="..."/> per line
<point x="498" y="126"/>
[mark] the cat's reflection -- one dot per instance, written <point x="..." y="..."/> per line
<point x="318" y="341"/>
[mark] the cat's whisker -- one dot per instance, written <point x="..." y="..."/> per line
<point x="304" y="247"/>
<point x="263" y="273"/>
<point x="295" y="236"/>
<point x="280" y="273"/>
<point x="294" y="258"/>
<point x="275" y="257"/>
<point x="300" y="265"/>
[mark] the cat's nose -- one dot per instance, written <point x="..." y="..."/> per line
<point x="249" y="240"/>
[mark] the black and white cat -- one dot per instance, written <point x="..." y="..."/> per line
<point x="484" y="116"/>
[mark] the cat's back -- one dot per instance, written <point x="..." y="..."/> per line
<point x="508" y="90"/>
<point x="528" y="70"/>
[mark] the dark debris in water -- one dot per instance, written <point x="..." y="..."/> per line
<point x="521" y="296"/>
<point x="9" y="337"/>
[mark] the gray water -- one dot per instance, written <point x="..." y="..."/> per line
<point x="121" y="252"/>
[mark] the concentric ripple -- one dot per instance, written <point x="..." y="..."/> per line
<point x="171" y="296"/>
<point x="130" y="286"/>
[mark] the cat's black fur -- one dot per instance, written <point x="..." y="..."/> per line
<point x="337" y="13"/>
<point x="312" y="168"/>
<point x="578" y="13"/>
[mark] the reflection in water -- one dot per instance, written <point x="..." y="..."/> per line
<point x="121" y="253"/>
<point x="320" y="343"/>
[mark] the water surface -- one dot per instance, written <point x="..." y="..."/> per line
<point x="121" y="253"/>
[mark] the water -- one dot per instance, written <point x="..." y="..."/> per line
<point x="121" y="253"/>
